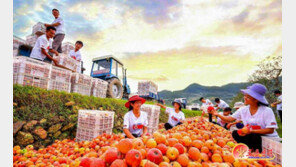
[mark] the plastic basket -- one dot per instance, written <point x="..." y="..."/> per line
<point x="67" y="61"/>
<point x="77" y="78"/>
<point x="61" y="86"/>
<point x="152" y="114"/>
<point x="274" y="146"/>
<point x="81" y="89"/>
<point x="84" y="134"/>
<point x="144" y="87"/>
<point x="60" y="74"/>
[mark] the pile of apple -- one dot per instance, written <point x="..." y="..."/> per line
<point x="196" y="143"/>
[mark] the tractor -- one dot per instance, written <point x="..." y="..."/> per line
<point x="110" y="69"/>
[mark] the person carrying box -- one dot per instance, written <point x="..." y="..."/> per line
<point x="58" y="23"/>
<point x="75" y="54"/>
<point x="43" y="45"/>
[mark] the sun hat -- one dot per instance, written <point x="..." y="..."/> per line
<point x="134" y="98"/>
<point x="257" y="91"/>
<point x="177" y="101"/>
<point x="238" y="104"/>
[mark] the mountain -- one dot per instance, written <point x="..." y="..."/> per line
<point x="194" y="91"/>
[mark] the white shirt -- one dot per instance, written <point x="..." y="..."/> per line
<point x="207" y="103"/>
<point x="279" y="106"/>
<point x="75" y="55"/>
<point x="60" y="28"/>
<point x="219" y="121"/>
<point x="222" y="104"/>
<point x="174" y="118"/>
<point x="133" y="124"/>
<point x="42" y="42"/>
<point x="264" y="118"/>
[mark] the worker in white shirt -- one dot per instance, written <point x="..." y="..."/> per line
<point x="58" y="23"/>
<point x="278" y="103"/>
<point x="220" y="104"/>
<point x="176" y="116"/>
<point x="135" y="122"/>
<point x="206" y="103"/>
<point x="43" y="45"/>
<point x="75" y="54"/>
<point x="258" y="118"/>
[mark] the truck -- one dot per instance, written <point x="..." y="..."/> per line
<point x="112" y="70"/>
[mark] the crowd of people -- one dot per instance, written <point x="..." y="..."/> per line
<point x="251" y="119"/>
<point x="51" y="42"/>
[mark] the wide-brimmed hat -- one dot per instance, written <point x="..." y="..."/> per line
<point x="134" y="98"/>
<point x="238" y="104"/>
<point x="177" y="101"/>
<point x="257" y="91"/>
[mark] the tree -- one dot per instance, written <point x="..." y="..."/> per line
<point x="268" y="73"/>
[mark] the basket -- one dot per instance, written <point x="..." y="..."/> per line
<point x="99" y="88"/>
<point x="67" y="61"/>
<point x="152" y="114"/>
<point x="30" y="80"/>
<point x="81" y="89"/>
<point x="144" y="87"/>
<point x="271" y="144"/>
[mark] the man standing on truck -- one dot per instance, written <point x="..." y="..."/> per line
<point x="58" y="23"/>
<point x="75" y="54"/>
<point x="43" y="45"/>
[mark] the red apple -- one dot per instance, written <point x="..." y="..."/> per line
<point x="112" y="154"/>
<point x="154" y="155"/>
<point x="133" y="158"/>
<point x="85" y="162"/>
<point x="96" y="162"/>
<point x="163" y="148"/>
<point x="179" y="147"/>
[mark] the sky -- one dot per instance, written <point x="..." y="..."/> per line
<point x="173" y="43"/>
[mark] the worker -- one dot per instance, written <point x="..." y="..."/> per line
<point x="278" y="103"/>
<point x="220" y="104"/>
<point x="176" y="116"/>
<point x="135" y="121"/>
<point x="226" y="112"/>
<point x="58" y="23"/>
<point x="206" y="103"/>
<point x="257" y="117"/>
<point x="43" y="45"/>
<point x="75" y="54"/>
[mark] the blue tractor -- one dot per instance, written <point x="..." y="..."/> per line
<point x="110" y="69"/>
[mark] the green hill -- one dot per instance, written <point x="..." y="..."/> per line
<point x="194" y="91"/>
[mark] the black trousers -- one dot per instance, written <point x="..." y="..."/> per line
<point x="168" y="126"/>
<point x="280" y="113"/>
<point x="253" y="141"/>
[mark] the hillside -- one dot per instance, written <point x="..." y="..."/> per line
<point x="194" y="91"/>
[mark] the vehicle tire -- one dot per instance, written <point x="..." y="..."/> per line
<point x="115" y="89"/>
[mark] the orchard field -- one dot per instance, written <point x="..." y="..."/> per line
<point x="45" y="136"/>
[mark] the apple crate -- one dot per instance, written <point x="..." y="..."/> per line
<point x="67" y="47"/>
<point x="99" y="88"/>
<point x="95" y="119"/>
<point x="274" y="145"/>
<point x="38" y="29"/>
<point x="78" y="78"/>
<point x="26" y="65"/>
<point x="58" y="85"/>
<point x="144" y="87"/>
<point x="30" y="80"/>
<point x="67" y="61"/>
<point x="152" y="114"/>
<point x="151" y="130"/>
<point x="81" y="89"/>
<point x="31" y="40"/>
<point x="84" y="134"/>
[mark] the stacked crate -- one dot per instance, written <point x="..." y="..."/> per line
<point x="67" y="61"/>
<point x="144" y="87"/>
<point x="38" y="29"/>
<point x="92" y="123"/>
<point x="60" y="79"/>
<point x="99" y="88"/>
<point x="31" y="39"/>
<point x="274" y="146"/>
<point x="81" y="83"/>
<point x="67" y="46"/>
<point x="153" y="112"/>
<point x="31" y="72"/>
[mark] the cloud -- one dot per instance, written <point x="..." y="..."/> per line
<point x="241" y="17"/>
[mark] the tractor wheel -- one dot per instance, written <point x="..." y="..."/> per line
<point x="115" y="89"/>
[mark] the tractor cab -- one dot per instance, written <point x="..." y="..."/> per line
<point x="110" y="69"/>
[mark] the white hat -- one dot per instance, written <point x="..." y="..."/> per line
<point x="238" y="104"/>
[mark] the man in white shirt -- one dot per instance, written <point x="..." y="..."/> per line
<point x="204" y="106"/>
<point x="278" y="103"/>
<point x="43" y="45"/>
<point x="58" y="23"/>
<point x="220" y="104"/>
<point x="75" y="54"/>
